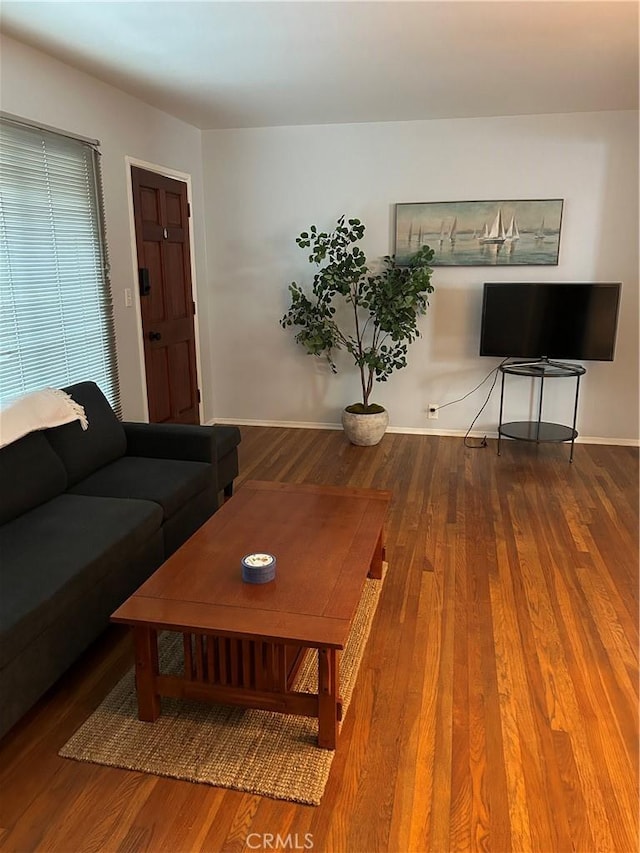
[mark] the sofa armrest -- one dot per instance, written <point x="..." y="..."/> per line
<point x="187" y="442"/>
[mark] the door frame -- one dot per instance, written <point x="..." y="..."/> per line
<point x="185" y="177"/>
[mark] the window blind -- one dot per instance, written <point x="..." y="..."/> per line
<point x="56" y="314"/>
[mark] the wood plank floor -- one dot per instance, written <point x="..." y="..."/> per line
<point x="497" y="704"/>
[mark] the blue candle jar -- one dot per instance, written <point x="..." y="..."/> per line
<point x="258" y="568"/>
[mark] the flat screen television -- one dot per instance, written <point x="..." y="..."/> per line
<point x="550" y="321"/>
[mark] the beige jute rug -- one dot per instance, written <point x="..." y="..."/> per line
<point x="260" y="752"/>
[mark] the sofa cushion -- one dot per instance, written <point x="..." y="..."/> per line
<point x="58" y="551"/>
<point x="168" y="482"/>
<point x="191" y="442"/>
<point x="30" y="474"/>
<point x="84" y="451"/>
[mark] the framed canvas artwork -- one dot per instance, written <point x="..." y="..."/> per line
<point x="481" y="233"/>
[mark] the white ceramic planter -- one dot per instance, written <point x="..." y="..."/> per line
<point x="365" y="430"/>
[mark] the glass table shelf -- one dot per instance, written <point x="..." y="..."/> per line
<point x="534" y="431"/>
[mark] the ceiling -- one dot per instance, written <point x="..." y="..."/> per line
<point x="254" y="64"/>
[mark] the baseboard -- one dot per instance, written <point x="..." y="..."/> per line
<point x="452" y="433"/>
<point x="282" y="424"/>
<point x="312" y="425"/>
<point x="594" y="439"/>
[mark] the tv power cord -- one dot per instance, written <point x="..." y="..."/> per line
<point x="494" y="373"/>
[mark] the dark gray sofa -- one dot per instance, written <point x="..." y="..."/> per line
<point x="85" y="518"/>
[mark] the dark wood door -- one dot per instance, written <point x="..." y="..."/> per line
<point x="161" y="214"/>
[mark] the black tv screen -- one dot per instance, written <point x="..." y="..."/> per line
<point x="550" y="320"/>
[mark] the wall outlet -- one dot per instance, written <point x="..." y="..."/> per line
<point x="432" y="409"/>
<point x="128" y="298"/>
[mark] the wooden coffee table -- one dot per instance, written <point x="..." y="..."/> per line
<point x="243" y="643"/>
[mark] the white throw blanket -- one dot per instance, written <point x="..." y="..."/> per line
<point x="49" y="407"/>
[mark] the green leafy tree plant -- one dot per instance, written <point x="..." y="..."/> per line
<point x="385" y="305"/>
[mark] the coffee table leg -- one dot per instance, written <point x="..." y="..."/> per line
<point x="379" y="556"/>
<point x="145" y="642"/>
<point x="328" y="681"/>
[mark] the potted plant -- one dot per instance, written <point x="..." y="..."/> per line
<point x="383" y="307"/>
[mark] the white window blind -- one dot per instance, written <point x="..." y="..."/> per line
<point x="56" y="318"/>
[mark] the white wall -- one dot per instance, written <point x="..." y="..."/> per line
<point x="264" y="186"/>
<point x="41" y="89"/>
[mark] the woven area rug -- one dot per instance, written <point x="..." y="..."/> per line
<point x="260" y="752"/>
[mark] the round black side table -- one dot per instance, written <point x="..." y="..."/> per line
<point x="540" y="431"/>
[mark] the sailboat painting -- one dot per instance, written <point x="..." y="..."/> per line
<point x="481" y="233"/>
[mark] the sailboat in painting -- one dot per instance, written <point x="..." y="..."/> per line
<point x="454" y="230"/>
<point x="497" y="233"/>
<point x="512" y="232"/>
<point x="539" y="235"/>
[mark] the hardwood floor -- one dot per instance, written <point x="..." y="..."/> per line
<point x="497" y="704"/>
